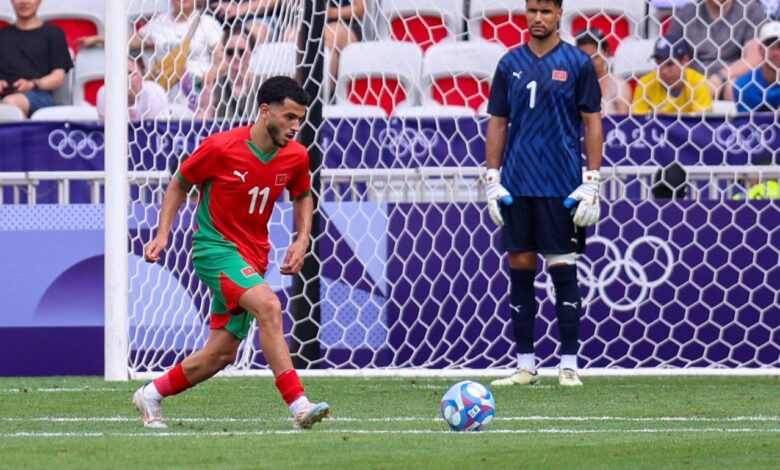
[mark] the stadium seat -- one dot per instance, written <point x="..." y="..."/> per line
<point x="63" y="96"/>
<point x="501" y="21"/>
<point x="424" y="22"/>
<point x="633" y="58"/>
<point x="617" y="19"/>
<point x="434" y="111"/>
<point x="89" y="75"/>
<point x="78" y="18"/>
<point x="275" y="58"/>
<point x="7" y="15"/>
<point x="140" y="11"/>
<point x="349" y="110"/>
<point x="723" y="108"/>
<point x="9" y="113"/>
<point x="459" y="73"/>
<point x="379" y="73"/>
<point x="66" y="113"/>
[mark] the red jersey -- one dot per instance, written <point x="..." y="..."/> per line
<point x="238" y="188"/>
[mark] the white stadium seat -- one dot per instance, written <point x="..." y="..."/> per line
<point x="10" y="113"/>
<point x="66" y="113"/>
<point x="424" y="22"/>
<point x="633" y="58"/>
<point x="275" y="58"/>
<point x="459" y="73"/>
<point x="89" y="73"/>
<point x="350" y="110"/>
<point x="383" y="73"/>
<point x="501" y="21"/>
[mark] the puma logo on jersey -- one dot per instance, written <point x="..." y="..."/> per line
<point x="517" y="74"/>
<point x="569" y="304"/>
<point x="241" y="175"/>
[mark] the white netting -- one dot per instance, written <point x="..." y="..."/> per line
<point x="408" y="273"/>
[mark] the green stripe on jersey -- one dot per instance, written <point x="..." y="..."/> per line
<point x="263" y="157"/>
<point x="208" y="239"/>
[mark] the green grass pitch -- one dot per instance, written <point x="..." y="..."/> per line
<point x="642" y="422"/>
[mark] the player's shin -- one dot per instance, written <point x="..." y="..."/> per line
<point x="523" y="306"/>
<point x="568" y="307"/>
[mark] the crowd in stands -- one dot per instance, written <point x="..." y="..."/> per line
<point x="197" y="56"/>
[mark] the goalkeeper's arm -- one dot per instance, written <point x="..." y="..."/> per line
<point x="495" y="141"/>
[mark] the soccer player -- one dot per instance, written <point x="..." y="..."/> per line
<point x="241" y="173"/>
<point x="541" y="93"/>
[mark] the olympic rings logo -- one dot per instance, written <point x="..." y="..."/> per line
<point x="77" y="143"/>
<point x="634" y="272"/>
<point x="748" y="138"/>
<point x="407" y="141"/>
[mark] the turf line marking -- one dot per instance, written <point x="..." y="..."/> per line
<point x="399" y="419"/>
<point x="59" y="390"/>
<point x="380" y="431"/>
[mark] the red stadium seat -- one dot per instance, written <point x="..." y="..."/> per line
<point x="459" y="73"/>
<point x="617" y="19"/>
<point x="3" y="24"/>
<point x="91" y="89"/>
<point x="423" y="22"/>
<point x="89" y="71"/>
<point x="75" y="29"/>
<point x="78" y="18"/>
<point x="501" y="21"/>
<point x="379" y="73"/>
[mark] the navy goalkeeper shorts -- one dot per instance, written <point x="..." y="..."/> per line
<point x="540" y="224"/>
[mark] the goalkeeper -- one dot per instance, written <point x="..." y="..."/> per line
<point x="536" y="190"/>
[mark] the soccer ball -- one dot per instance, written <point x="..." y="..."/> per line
<point x="468" y="406"/>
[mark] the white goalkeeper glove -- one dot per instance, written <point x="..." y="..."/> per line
<point x="496" y="194"/>
<point x="586" y="198"/>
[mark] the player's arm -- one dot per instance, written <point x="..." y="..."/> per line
<point x="303" y="209"/>
<point x="174" y="196"/>
<point x="594" y="139"/>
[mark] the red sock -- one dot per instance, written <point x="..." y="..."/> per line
<point x="289" y="386"/>
<point x="172" y="382"/>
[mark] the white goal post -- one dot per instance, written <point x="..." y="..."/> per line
<point x="405" y="277"/>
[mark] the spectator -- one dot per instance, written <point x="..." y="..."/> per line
<point x="256" y="16"/>
<point x="146" y="99"/>
<point x="167" y="31"/>
<point x="724" y="33"/>
<point x="759" y="89"/>
<point x="674" y="88"/>
<point x="343" y="27"/>
<point x="772" y="8"/>
<point x="234" y="94"/>
<point x="34" y="59"/>
<point x="615" y="94"/>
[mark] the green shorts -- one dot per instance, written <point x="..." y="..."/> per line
<point x="228" y="276"/>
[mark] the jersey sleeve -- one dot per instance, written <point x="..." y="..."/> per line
<point x="58" y="49"/>
<point x="197" y="168"/>
<point x="300" y="183"/>
<point x="588" y="89"/>
<point x="497" y="103"/>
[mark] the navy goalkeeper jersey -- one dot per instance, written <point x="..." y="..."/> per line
<point x="542" y="97"/>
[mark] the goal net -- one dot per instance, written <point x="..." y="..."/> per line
<point x="405" y="274"/>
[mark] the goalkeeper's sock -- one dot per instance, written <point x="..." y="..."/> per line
<point x="289" y="386"/>
<point x="568" y="361"/>
<point x="523" y="306"/>
<point x="172" y="382"/>
<point x="527" y="361"/>
<point x="568" y="307"/>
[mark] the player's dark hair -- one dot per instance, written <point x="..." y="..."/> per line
<point x="276" y="89"/>
<point x="557" y="3"/>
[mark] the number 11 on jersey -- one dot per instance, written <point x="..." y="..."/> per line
<point x="257" y="192"/>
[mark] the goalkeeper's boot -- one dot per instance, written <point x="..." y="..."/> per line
<point x="310" y="415"/>
<point x="521" y="377"/>
<point x="569" y="378"/>
<point x="150" y="408"/>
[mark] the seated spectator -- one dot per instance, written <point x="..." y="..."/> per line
<point x="772" y="8"/>
<point x="234" y="95"/>
<point x="343" y="27"/>
<point x="759" y="89"/>
<point x="724" y="33"/>
<point x="674" y="88"/>
<point x="615" y="94"/>
<point x="34" y="59"/>
<point x="256" y="16"/>
<point x="146" y="100"/>
<point x="165" y="32"/>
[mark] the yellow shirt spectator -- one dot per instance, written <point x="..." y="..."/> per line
<point x="652" y="96"/>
